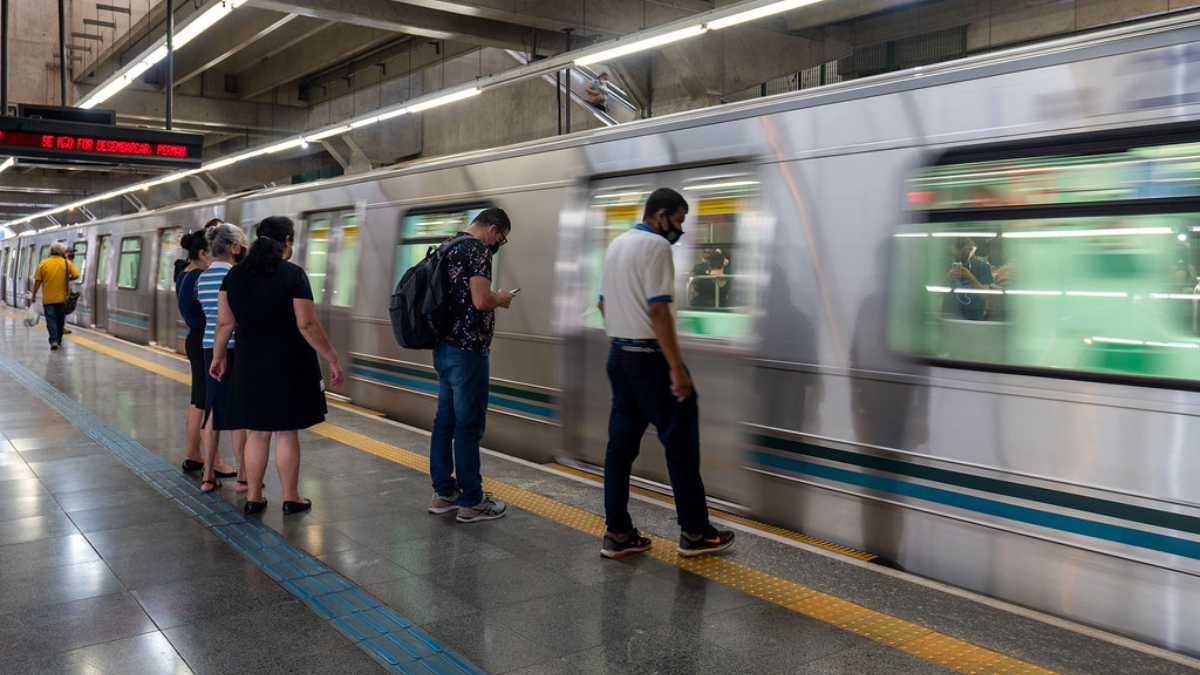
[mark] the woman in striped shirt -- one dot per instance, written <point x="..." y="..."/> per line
<point x="226" y="245"/>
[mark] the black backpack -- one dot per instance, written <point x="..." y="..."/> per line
<point x="418" y="307"/>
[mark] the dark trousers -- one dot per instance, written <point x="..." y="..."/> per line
<point x="56" y="320"/>
<point x="641" y="388"/>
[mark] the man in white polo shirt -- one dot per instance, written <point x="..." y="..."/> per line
<point x="650" y="382"/>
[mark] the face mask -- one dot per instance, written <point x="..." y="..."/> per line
<point x="494" y="248"/>
<point x="672" y="235"/>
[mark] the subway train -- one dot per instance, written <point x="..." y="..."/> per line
<point x="946" y="315"/>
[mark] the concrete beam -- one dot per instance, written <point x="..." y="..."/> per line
<point x="202" y="115"/>
<point x="607" y="18"/>
<point x="215" y="47"/>
<point x="338" y="42"/>
<point x="400" y="18"/>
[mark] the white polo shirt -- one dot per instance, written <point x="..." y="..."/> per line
<point x="638" y="270"/>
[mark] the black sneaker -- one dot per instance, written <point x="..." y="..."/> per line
<point x="621" y="545"/>
<point x="711" y="541"/>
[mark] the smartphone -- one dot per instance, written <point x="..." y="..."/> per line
<point x="515" y="290"/>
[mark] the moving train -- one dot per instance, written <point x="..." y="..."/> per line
<point x="1022" y="432"/>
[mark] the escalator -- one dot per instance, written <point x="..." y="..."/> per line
<point x="620" y="108"/>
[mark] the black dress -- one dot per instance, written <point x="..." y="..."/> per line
<point x="276" y="380"/>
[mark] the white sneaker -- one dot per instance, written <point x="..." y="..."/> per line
<point x="488" y="509"/>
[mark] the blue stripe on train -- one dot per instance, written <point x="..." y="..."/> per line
<point x="530" y="408"/>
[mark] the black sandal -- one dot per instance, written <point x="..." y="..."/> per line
<point x="214" y="483"/>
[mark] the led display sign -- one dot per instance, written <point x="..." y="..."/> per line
<point x="97" y="143"/>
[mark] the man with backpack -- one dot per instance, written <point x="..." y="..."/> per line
<point x="461" y="361"/>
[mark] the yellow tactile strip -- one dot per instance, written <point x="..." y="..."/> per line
<point x="734" y="518"/>
<point x="908" y="637"/>
<point x="889" y="630"/>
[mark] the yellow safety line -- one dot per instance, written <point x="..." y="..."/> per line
<point x="732" y="517"/>
<point x="908" y="637"/>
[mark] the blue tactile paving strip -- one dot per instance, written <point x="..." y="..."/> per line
<point x="393" y="641"/>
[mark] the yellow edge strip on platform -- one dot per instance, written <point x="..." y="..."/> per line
<point x="908" y="637"/>
<point x="733" y="517"/>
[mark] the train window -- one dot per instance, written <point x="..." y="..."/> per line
<point x="12" y="262"/>
<point x="710" y="298"/>
<point x="166" y="262"/>
<point x="80" y="260"/>
<point x="1080" y="260"/>
<point x="316" y="250"/>
<point x="129" y="263"/>
<point x="423" y="228"/>
<point x="43" y="253"/>
<point x="102" y="265"/>
<point x="347" y="262"/>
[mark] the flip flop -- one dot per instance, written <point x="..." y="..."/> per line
<point x="214" y="483"/>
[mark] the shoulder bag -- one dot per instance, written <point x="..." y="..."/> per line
<point x="72" y="295"/>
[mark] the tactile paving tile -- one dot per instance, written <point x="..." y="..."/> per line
<point x="385" y="636"/>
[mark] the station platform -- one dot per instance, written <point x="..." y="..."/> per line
<point x="113" y="561"/>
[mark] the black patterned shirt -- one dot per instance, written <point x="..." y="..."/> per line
<point x="471" y="329"/>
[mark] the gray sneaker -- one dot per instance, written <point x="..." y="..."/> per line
<point x="488" y="509"/>
<point x="440" y="504"/>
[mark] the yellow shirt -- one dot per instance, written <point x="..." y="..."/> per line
<point x="54" y="280"/>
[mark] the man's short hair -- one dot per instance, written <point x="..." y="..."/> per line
<point x="493" y="216"/>
<point x="58" y="248"/>
<point x="664" y="198"/>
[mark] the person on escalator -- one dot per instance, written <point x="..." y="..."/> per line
<point x="597" y="92"/>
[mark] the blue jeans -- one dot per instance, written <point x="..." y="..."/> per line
<point x="56" y="320"/>
<point x="641" y="389"/>
<point x="459" y="424"/>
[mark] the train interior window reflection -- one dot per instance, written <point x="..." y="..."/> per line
<point x="614" y="210"/>
<point x="420" y="231"/>
<point x="130" y="262"/>
<point x="316" y="251"/>
<point x="80" y="260"/>
<point x="43" y="253"/>
<point x="166" y="262"/>
<point x="26" y="272"/>
<point x="347" y="262"/>
<point x="1114" y="292"/>
<point x="714" y="296"/>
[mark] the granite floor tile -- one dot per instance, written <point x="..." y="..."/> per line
<point x="148" y="538"/>
<point x="48" y="526"/>
<point x="663" y="652"/>
<point x="93" y="621"/>
<point x="288" y="638"/>
<point x="420" y="600"/>
<point x="153" y="510"/>
<point x="182" y="602"/>
<point x="218" y="566"/>
<point x="36" y="504"/>
<point x="364" y="566"/>
<point x="778" y="639"/>
<point x="146" y="654"/>
<point x="440" y="554"/>
<point x="46" y="553"/>
<point x="39" y="587"/>
<point x="868" y="657"/>
<point x="495" y="648"/>
<point x="134" y="494"/>
<point x="501" y="582"/>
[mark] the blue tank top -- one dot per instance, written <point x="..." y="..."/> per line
<point x="189" y="304"/>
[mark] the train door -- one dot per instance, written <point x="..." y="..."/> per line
<point x="4" y="255"/>
<point x="83" y="310"/>
<point x="331" y="254"/>
<point x="99" y="282"/>
<point x="28" y="267"/>
<point x="713" y="298"/>
<point x="169" y="330"/>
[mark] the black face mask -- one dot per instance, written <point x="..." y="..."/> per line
<point x="673" y="235"/>
<point x="494" y="248"/>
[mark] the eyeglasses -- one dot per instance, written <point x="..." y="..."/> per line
<point x="503" y="239"/>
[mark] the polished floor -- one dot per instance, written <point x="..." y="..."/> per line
<point x="113" y="562"/>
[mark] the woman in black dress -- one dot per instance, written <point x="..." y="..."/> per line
<point x="276" y="385"/>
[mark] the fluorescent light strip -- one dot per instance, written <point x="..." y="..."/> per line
<point x="981" y="291"/>
<point x="718" y="186"/>
<point x="1020" y="292"/>
<point x="642" y="45"/>
<point x="1111" y="232"/>
<point x="947" y="235"/>
<point x="911" y="235"/>
<point x="7" y="163"/>
<point x="1174" y="296"/>
<point x="188" y="32"/>
<point x="441" y="100"/>
<point x="760" y="13"/>
<point x="1096" y="294"/>
<point x="327" y="133"/>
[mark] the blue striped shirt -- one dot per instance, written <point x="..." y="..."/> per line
<point x="208" y="290"/>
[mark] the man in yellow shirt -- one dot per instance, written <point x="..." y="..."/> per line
<point x="53" y="273"/>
